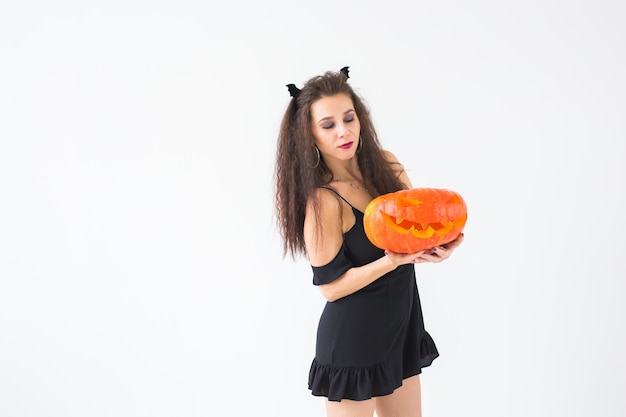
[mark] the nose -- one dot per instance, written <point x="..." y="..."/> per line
<point x="341" y="129"/>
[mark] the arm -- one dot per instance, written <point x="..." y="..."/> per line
<point x="356" y="278"/>
<point x="323" y="240"/>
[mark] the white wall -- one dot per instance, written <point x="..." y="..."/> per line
<point x="140" y="268"/>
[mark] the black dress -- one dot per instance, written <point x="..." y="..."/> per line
<point x="368" y="341"/>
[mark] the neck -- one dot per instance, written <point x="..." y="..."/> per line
<point x="347" y="171"/>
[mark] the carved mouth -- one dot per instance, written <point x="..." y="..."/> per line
<point x="417" y="229"/>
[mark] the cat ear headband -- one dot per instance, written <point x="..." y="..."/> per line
<point x="295" y="91"/>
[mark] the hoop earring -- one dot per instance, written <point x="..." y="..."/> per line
<point x="318" y="157"/>
<point x="358" y="148"/>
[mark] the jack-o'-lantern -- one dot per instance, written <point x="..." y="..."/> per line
<point x="409" y="221"/>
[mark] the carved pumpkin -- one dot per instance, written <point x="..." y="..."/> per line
<point x="409" y="221"/>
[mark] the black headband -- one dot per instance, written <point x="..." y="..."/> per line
<point x="295" y="91"/>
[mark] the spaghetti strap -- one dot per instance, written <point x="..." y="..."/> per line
<point x="339" y="195"/>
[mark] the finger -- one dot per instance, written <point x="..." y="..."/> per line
<point x="438" y="254"/>
<point x="439" y="251"/>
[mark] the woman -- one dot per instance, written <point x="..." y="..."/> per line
<point x="371" y="341"/>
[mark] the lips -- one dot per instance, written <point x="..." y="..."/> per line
<point x="346" y="145"/>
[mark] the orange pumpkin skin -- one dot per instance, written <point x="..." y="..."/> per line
<point x="409" y="221"/>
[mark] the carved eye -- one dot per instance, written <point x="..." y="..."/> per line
<point x="409" y="221"/>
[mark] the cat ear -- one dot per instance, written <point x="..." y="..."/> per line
<point x="293" y="90"/>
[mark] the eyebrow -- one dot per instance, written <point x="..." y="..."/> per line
<point x="330" y="117"/>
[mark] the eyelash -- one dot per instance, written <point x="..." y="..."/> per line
<point x="349" y="119"/>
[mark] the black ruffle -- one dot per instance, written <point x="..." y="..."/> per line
<point x="332" y="270"/>
<point x="363" y="383"/>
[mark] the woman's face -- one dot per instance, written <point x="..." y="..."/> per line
<point x="336" y="127"/>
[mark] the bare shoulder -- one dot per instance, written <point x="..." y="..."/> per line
<point x="323" y="234"/>
<point x="328" y="201"/>
<point x="393" y="161"/>
<point x="330" y="212"/>
<point x="397" y="166"/>
<point x="390" y="156"/>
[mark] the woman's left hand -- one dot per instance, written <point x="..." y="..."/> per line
<point x="440" y="253"/>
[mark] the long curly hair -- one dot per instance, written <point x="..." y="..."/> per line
<point x="299" y="169"/>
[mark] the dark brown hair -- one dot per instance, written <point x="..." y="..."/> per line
<point x="296" y="174"/>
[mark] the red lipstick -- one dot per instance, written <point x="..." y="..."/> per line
<point x="346" y="145"/>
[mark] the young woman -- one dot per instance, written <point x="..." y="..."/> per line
<point x="371" y="341"/>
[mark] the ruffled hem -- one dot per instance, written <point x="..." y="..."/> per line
<point x="363" y="383"/>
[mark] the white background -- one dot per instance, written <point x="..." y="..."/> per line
<point x="141" y="269"/>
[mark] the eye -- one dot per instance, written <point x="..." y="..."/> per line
<point x="328" y="125"/>
<point x="349" y="118"/>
